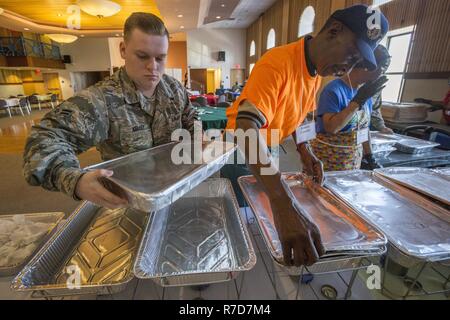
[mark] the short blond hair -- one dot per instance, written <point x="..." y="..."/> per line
<point x="146" y="22"/>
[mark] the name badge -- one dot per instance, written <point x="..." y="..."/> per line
<point x="362" y="136"/>
<point x="306" y="132"/>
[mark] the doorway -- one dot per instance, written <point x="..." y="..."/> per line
<point x="237" y="75"/>
<point x="51" y="84"/>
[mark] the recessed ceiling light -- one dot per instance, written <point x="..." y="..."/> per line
<point x="180" y="16"/>
<point x="222" y="5"/>
<point x="82" y="35"/>
<point x="117" y="34"/>
<point x="181" y="27"/>
<point x="59" y="15"/>
<point x="218" y="17"/>
<point x="26" y="29"/>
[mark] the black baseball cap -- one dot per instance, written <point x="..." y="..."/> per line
<point x="370" y="27"/>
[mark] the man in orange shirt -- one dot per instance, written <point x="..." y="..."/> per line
<point x="279" y="94"/>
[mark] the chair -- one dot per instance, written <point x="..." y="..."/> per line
<point x="223" y="105"/>
<point x="4" y="105"/>
<point x="34" y="100"/>
<point x="202" y="101"/>
<point x="18" y="106"/>
<point x="54" y="100"/>
<point x="23" y="103"/>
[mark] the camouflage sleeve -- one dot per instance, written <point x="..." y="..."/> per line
<point x="376" y="119"/>
<point x="73" y="127"/>
<point x="189" y="116"/>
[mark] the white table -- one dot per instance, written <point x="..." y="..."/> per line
<point x="14" y="102"/>
<point x="43" y="97"/>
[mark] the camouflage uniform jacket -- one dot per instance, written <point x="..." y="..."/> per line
<point x="376" y="119"/>
<point x="111" y="115"/>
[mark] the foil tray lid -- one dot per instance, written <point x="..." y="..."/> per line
<point x="155" y="178"/>
<point x="342" y="231"/>
<point x="426" y="181"/>
<point x="410" y="224"/>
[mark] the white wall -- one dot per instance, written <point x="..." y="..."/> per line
<point x="204" y="44"/>
<point x="433" y="89"/>
<point x="10" y="90"/>
<point x="88" y="54"/>
<point x="114" y="50"/>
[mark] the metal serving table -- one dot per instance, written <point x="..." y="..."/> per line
<point x="434" y="158"/>
<point x="418" y="229"/>
<point x="199" y="239"/>
<point x="348" y="239"/>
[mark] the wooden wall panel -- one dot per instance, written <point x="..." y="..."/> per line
<point x="272" y="19"/>
<point x="430" y="51"/>
<point x="321" y="7"/>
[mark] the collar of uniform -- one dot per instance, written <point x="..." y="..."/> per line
<point x="128" y="87"/>
<point x="132" y="95"/>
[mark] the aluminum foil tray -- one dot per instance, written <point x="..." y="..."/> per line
<point x="346" y="237"/>
<point x="99" y="245"/>
<point x="381" y="143"/>
<point x="381" y="154"/>
<point x="426" y="181"/>
<point x="416" y="226"/>
<point x="151" y="180"/>
<point x="24" y="234"/>
<point x="200" y="239"/>
<point x="443" y="171"/>
<point x="415" y="146"/>
<point x="405" y="144"/>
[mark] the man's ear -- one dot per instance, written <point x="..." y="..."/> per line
<point x="335" y="28"/>
<point x="122" y="49"/>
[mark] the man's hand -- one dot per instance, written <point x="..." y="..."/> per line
<point x="300" y="238"/>
<point x="312" y="166"/>
<point x="387" y="130"/>
<point x="369" y="89"/>
<point x="90" y="188"/>
<point x="369" y="163"/>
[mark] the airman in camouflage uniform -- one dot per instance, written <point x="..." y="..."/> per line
<point x="111" y="115"/>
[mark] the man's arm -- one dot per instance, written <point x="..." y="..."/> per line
<point x="50" y="153"/>
<point x="300" y="238"/>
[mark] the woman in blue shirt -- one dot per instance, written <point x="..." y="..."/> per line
<point x="344" y="110"/>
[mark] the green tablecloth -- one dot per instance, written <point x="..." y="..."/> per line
<point x="212" y="118"/>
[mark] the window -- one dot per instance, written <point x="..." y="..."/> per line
<point x="252" y="48"/>
<point x="306" y="22"/>
<point x="271" y="39"/>
<point x="377" y="3"/>
<point x="398" y="43"/>
<point x="252" y="65"/>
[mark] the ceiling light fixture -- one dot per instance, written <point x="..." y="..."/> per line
<point x="222" y="5"/>
<point x="99" y="8"/>
<point x="180" y="16"/>
<point x="181" y="27"/>
<point x="26" y="29"/>
<point x="62" y="38"/>
<point x="218" y="17"/>
<point x="59" y="15"/>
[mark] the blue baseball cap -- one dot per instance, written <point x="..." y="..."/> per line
<point x="370" y="27"/>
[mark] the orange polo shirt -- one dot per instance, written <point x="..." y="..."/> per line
<point x="281" y="88"/>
